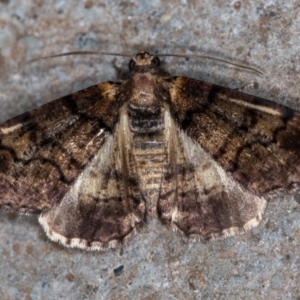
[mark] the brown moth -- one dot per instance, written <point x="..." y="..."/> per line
<point x="97" y="164"/>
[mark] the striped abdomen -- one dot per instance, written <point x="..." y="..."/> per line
<point x="149" y="153"/>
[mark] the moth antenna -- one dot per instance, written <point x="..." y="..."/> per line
<point x="212" y="58"/>
<point x="99" y="53"/>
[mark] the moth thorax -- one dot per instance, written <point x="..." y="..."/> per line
<point x="143" y="90"/>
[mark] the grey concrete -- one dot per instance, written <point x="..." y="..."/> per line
<point x="157" y="264"/>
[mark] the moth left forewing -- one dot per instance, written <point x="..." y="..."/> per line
<point x="44" y="150"/>
<point x="254" y="140"/>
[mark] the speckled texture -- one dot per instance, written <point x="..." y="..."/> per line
<point x="262" y="264"/>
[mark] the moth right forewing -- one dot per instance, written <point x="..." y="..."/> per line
<point x="255" y="140"/>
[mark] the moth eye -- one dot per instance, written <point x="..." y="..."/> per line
<point x="131" y="65"/>
<point x="155" y="61"/>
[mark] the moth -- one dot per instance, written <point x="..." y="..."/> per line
<point x="97" y="164"/>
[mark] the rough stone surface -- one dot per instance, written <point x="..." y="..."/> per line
<point x="262" y="264"/>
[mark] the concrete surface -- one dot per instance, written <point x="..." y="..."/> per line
<point x="156" y="264"/>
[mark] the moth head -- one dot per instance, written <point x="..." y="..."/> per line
<point x="144" y="59"/>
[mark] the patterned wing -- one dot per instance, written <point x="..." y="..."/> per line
<point x="198" y="197"/>
<point x="103" y="208"/>
<point x="254" y="140"/>
<point x="233" y="152"/>
<point x="51" y="162"/>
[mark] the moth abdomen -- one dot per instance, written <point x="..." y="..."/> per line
<point x="145" y="119"/>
